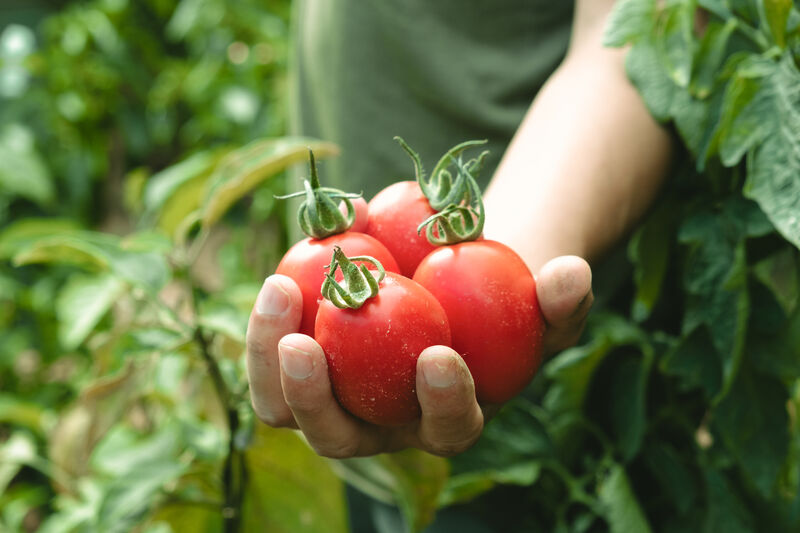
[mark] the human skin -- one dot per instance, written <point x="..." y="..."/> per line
<point x="589" y="159"/>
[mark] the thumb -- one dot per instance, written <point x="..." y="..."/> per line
<point x="564" y="291"/>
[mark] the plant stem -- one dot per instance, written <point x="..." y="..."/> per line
<point x="233" y="470"/>
<point x="231" y="479"/>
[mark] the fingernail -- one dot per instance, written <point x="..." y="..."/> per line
<point x="297" y="364"/>
<point x="272" y="299"/>
<point x="439" y="371"/>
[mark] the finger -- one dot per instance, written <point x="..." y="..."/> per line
<point x="564" y="290"/>
<point x="451" y="419"/>
<point x="328" y="428"/>
<point x="360" y="207"/>
<point x="276" y="313"/>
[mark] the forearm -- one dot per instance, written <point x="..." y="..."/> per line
<point x="586" y="162"/>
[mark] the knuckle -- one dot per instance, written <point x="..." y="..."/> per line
<point x="456" y="444"/>
<point x="257" y="346"/>
<point x="446" y="450"/>
<point x="307" y="407"/>
<point x="336" y="450"/>
<point x="275" y="418"/>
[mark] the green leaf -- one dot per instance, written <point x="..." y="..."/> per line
<point x="290" y="489"/>
<point x="675" y="40"/>
<point x="147" y="241"/>
<point x="188" y="516"/>
<point x="419" y="479"/>
<point x="517" y="434"/>
<point x="242" y="170"/>
<point x="99" y="252"/>
<point x="695" y="361"/>
<point x="696" y="121"/>
<point x="123" y="451"/>
<point x="618" y="398"/>
<point x="23" y="232"/>
<point x="173" y="194"/>
<point x="81" y="304"/>
<point x="747" y="9"/>
<point x="672" y="474"/>
<point x="716" y="281"/>
<point x="465" y="487"/>
<point x="163" y="185"/>
<point x="774" y="15"/>
<point x="629" y="20"/>
<point x="753" y="423"/>
<point x="780" y="272"/>
<point x="508" y="453"/>
<point x="747" y="101"/>
<point x="17" y="411"/>
<point x="649" y="251"/>
<point x="127" y="498"/>
<point x="413" y="480"/>
<point x="225" y="318"/>
<point x="644" y="68"/>
<point x="773" y="167"/>
<point x="138" y="466"/>
<point x="18" y="450"/>
<point x="571" y="372"/>
<point x="726" y="510"/>
<point x="573" y="369"/>
<point x="205" y="439"/>
<point x="23" y="172"/>
<point x="778" y="352"/>
<point x="622" y="509"/>
<point x="76" y="514"/>
<point x="709" y="58"/>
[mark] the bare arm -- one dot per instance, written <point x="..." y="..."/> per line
<point x="587" y="160"/>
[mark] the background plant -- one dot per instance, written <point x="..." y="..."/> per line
<point x="123" y="403"/>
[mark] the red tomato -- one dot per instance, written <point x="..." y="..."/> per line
<point x="305" y="263"/>
<point x="360" y="207"/>
<point x="489" y="296"/>
<point x="393" y="216"/>
<point x="372" y="351"/>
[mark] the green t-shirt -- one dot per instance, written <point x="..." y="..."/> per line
<point x="435" y="72"/>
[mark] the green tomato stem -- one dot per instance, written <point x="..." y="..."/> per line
<point x="319" y="215"/>
<point x="359" y="283"/>
<point x="462" y="221"/>
<point x="441" y="190"/>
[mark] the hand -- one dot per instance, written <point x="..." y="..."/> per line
<point x="289" y="382"/>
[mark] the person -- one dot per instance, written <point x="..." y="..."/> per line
<point x="584" y="162"/>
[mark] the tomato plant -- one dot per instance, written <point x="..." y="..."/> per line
<point x="326" y="226"/>
<point x="395" y="213"/>
<point x="489" y="296"/>
<point x="372" y="331"/>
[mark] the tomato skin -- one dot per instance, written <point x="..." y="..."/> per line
<point x="305" y="263"/>
<point x="393" y="216"/>
<point x="489" y="296"/>
<point x="372" y="351"/>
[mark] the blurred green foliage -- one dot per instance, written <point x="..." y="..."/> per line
<point x="112" y="318"/>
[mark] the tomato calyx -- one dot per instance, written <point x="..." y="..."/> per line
<point x="359" y="282"/>
<point x="442" y="189"/>
<point x="319" y="215"/>
<point x="462" y="221"/>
